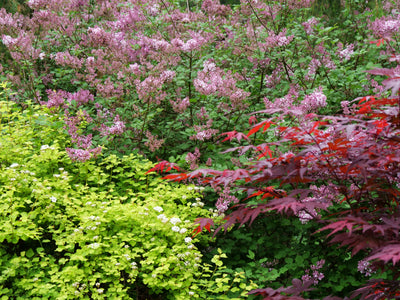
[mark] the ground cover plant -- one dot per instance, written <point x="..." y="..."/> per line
<point x="269" y="83"/>
<point x="99" y="230"/>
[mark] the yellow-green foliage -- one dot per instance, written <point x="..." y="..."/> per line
<point x="99" y="230"/>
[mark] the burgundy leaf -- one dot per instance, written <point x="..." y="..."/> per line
<point x="387" y="253"/>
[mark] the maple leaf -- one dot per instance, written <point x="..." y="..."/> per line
<point x="387" y="253"/>
<point x="234" y="135"/>
<point x="265" y="124"/>
<point x="176" y="177"/>
<point x="378" y="42"/>
<point x="203" y="223"/>
<point x="164" y="166"/>
<point x="393" y="82"/>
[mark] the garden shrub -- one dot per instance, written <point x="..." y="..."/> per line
<point x="103" y="229"/>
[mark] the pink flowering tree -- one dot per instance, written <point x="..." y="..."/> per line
<point x="143" y="72"/>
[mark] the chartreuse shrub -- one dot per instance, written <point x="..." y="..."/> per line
<point x="99" y="230"/>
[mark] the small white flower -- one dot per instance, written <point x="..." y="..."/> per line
<point x="201" y="204"/>
<point x="96" y="237"/>
<point x="100" y="291"/>
<point x="191" y="293"/>
<point x="175" y="220"/>
<point x="182" y="231"/>
<point x="184" y="197"/>
<point x="56" y="175"/>
<point x="53" y="199"/>
<point x="163" y="218"/>
<point x="154" y="275"/>
<point x="35" y="279"/>
<point x="188" y="239"/>
<point x="61" y="169"/>
<point x="198" y="199"/>
<point x="175" y="228"/>
<point x="190" y="188"/>
<point x="190" y="246"/>
<point x="44" y="147"/>
<point x="158" y="208"/>
<point x="117" y="264"/>
<point x="94" y="245"/>
<point x="127" y="257"/>
<point x="42" y="55"/>
<point x="126" y="246"/>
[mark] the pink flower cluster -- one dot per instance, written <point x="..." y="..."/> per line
<point x="83" y="155"/>
<point x="345" y="53"/>
<point x="180" y="105"/>
<point x="117" y="128"/>
<point x="214" y="81"/>
<point x="314" y="101"/>
<point x="204" y="131"/>
<point x="314" y="275"/>
<point x="285" y="102"/>
<point x="364" y="267"/>
<point x="309" y="25"/>
<point x="224" y="200"/>
<point x="319" y="59"/>
<point x="385" y="27"/>
<point x="21" y="47"/>
<point x="276" y="40"/>
<point x="150" y="89"/>
<point x="193" y="158"/>
<point x="153" y="143"/>
<point x="62" y="99"/>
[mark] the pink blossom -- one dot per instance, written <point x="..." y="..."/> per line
<point x="153" y="143"/>
<point x="117" y="128"/>
<point x="347" y="52"/>
<point x="314" y="101"/>
<point x="180" y="105"/>
<point x="314" y="275"/>
<point x="364" y="267"/>
<point x="309" y="24"/>
<point x="192" y="159"/>
<point x="83" y="155"/>
<point x="385" y="27"/>
<point x="225" y="200"/>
